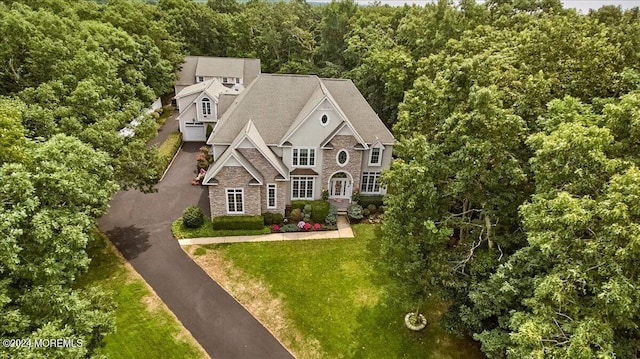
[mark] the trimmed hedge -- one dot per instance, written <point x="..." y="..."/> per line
<point x="319" y="209"/>
<point x="238" y="222"/>
<point x="375" y="199"/>
<point x="272" y="218"/>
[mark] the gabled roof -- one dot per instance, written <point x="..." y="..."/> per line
<point x="277" y="103"/>
<point x="212" y="87"/>
<point x="251" y="133"/>
<point x="231" y="154"/>
<point x="207" y="66"/>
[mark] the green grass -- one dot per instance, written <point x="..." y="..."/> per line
<point x="169" y="148"/>
<point x="333" y="292"/>
<point x="206" y="230"/>
<point x="142" y="330"/>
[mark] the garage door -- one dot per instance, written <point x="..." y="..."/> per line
<point x="194" y="132"/>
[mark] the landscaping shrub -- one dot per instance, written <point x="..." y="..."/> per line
<point x="320" y="210"/>
<point x="372" y="208"/>
<point x="366" y="200"/>
<point x="355" y="211"/>
<point x="366" y="212"/>
<point x="192" y="217"/>
<point x="332" y="216"/>
<point x="268" y="218"/>
<point x="168" y="149"/>
<point x="278" y="218"/>
<point x="296" y="215"/>
<point x="298" y="204"/>
<point x="289" y="228"/>
<point x="238" y="222"/>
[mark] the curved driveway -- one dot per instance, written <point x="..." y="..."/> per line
<point x="140" y="227"/>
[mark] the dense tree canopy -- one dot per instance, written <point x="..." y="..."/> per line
<point x="518" y="128"/>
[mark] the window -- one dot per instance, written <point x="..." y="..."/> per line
<point x="324" y="120"/>
<point x="376" y="156"/>
<point x="370" y="182"/>
<point x="235" y="201"/>
<point x="200" y="79"/>
<point x="206" y="107"/>
<point x="237" y="80"/>
<point x="302" y="187"/>
<point x="271" y="196"/>
<point x="342" y="157"/>
<point x="225" y="80"/>
<point x="303" y="157"/>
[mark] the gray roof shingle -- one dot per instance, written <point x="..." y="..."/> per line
<point x="275" y="103"/>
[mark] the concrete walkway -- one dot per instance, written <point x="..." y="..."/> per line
<point x="343" y="231"/>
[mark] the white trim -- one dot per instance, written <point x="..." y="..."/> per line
<point x="379" y="163"/>
<point x="275" y="195"/>
<point x="306" y="178"/>
<point x="338" y="157"/>
<point x="375" y="175"/>
<point x="348" y="189"/>
<point x="315" y="157"/>
<point x="226" y="199"/>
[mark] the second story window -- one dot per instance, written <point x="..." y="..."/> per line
<point x="206" y="107"/>
<point x="237" y="80"/>
<point x="303" y="157"/>
<point x="376" y="156"/>
<point x="200" y="79"/>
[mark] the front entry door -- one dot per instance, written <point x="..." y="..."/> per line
<point x="338" y="188"/>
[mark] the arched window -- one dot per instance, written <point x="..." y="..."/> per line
<point x="342" y="157"/>
<point x="206" y="106"/>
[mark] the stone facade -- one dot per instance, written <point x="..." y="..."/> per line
<point x="330" y="164"/>
<point x="269" y="174"/>
<point x="234" y="177"/>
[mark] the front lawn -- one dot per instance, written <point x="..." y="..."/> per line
<point x="145" y="328"/>
<point x="329" y="292"/>
<point x="206" y="230"/>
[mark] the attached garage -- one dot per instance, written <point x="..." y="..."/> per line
<point x="194" y="132"/>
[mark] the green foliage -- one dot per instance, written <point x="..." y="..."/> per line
<point x="320" y="211"/>
<point x="206" y="230"/>
<point x="268" y="218"/>
<point x="238" y="222"/>
<point x="332" y="216"/>
<point x="289" y="227"/>
<point x="168" y="149"/>
<point x="296" y="215"/>
<point x="367" y="200"/>
<point x="192" y="217"/>
<point x="355" y="211"/>
<point x="278" y="218"/>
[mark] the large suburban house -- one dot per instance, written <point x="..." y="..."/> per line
<point x="289" y="137"/>
<point x="200" y="88"/>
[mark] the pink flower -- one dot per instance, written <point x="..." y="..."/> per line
<point x="317" y="227"/>
<point x="307" y="226"/>
<point x="275" y="228"/>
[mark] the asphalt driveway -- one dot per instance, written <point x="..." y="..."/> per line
<point x="139" y="225"/>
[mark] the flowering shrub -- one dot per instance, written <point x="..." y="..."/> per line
<point x="301" y="224"/>
<point x="307" y="226"/>
<point x="275" y="228"/>
<point x="355" y="196"/>
<point x="317" y="227"/>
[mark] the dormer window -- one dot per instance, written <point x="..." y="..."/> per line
<point x="324" y="120"/>
<point x="238" y="80"/>
<point x="225" y="80"/>
<point x="206" y="107"/>
<point x="200" y="79"/>
<point x="375" y="158"/>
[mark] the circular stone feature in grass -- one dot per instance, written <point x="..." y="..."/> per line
<point x="413" y="323"/>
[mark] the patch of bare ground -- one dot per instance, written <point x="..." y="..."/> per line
<point x="258" y="300"/>
<point x="154" y="304"/>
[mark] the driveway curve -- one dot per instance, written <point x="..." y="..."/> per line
<point x="140" y="227"/>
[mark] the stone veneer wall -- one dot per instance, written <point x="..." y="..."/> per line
<point x="269" y="174"/>
<point x="330" y="164"/>
<point x="234" y="177"/>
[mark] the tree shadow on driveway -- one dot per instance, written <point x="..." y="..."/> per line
<point x="130" y="241"/>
